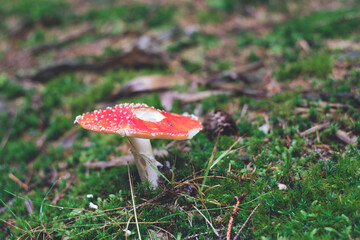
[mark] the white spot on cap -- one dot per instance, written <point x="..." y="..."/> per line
<point x="192" y="133"/>
<point x="122" y="132"/>
<point x="148" y="114"/>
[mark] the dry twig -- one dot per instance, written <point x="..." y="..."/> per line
<point x="242" y="227"/>
<point x="314" y="129"/>
<point x="343" y="136"/>
<point x="233" y="214"/>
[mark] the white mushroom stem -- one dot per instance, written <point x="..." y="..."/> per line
<point x="145" y="160"/>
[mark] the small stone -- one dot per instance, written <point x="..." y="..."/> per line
<point x="264" y="128"/>
<point x="282" y="186"/>
<point x="93" y="206"/>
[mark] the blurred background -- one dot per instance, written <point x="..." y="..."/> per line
<point x="59" y="59"/>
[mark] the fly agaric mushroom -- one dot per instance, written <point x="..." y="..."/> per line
<point x="140" y="123"/>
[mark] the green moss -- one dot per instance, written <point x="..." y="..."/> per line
<point x="128" y="13"/>
<point x="189" y="66"/>
<point x="86" y="101"/>
<point x="253" y="57"/>
<point x="155" y="15"/>
<point x="204" y="17"/>
<point x="319" y="65"/>
<point x="231" y="6"/>
<point x="19" y="151"/>
<point x="313" y="28"/>
<point x="27" y="118"/>
<point x="58" y="126"/>
<point x="161" y="15"/>
<point x="206" y="40"/>
<point x="217" y="101"/>
<point x="9" y="89"/>
<point x="42" y="10"/>
<point x="246" y="38"/>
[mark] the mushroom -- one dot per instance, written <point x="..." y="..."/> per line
<point x="140" y="123"/>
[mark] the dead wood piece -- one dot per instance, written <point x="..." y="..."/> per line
<point x="55" y="69"/>
<point x="132" y="57"/>
<point x="135" y="57"/>
<point x="247" y="67"/>
<point x="343" y="136"/>
<point x="251" y="92"/>
<point x="147" y="84"/>
<point x="167" y="98"/>
<point x="326" y="96"/>
<point x="56" y="45"/>
<point x="240" y="73"/>
<point x="314" y="129"/>
<point x="334" y="105"/>
<point x="198" y="96"/>
<point x="233" y="214"/>
<point x="123" y="160"/>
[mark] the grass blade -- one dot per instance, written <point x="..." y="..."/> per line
<point x="133" y="201"/>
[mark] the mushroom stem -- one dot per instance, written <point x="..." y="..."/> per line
<point x="145" y="160"/>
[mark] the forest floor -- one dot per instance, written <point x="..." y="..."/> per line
<point x="280" y="78"/>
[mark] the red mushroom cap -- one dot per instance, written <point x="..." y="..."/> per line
<point x="140" y="120"/>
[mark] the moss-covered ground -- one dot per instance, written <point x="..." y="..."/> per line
<point x="280" y="68"/>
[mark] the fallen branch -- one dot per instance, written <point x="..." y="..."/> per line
<point x="314" y="129"/>
<point x="236" y="74"/>
<point x="56" y="45"/>
<point x="343" y="136"/>
<point x="123" y="160"/>
<point x="135" y="56"/>
<point x="327" y="96"/>
<point x="168" y="98"/>
<point x="233" y="214"/>
<point x="147" y="84"/>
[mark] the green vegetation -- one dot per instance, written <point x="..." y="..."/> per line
<point x="316" y="66"/>
<point x="300" y="182"/>
<point x="9" y="89"/>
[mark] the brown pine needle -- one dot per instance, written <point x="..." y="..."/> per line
<point x="242" y="227"/>
<point x="12" y="225"/>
